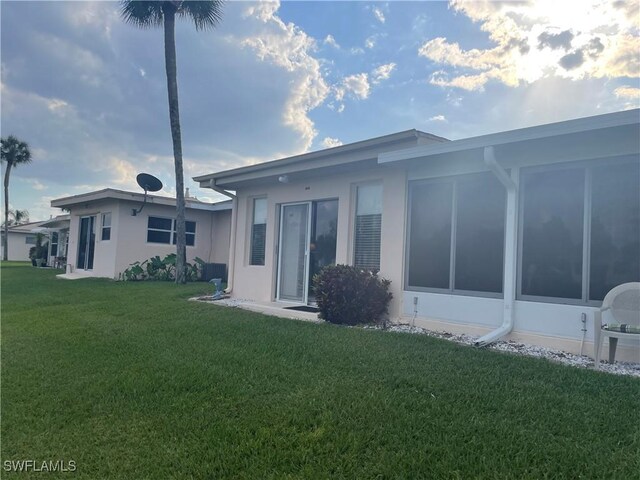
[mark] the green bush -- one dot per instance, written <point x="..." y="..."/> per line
<point x="163" y="269"/>
<point x="351" y="296"/>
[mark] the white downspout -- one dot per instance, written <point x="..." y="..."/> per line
<point x="510" y="245"/>
<point x="232" y="240"/>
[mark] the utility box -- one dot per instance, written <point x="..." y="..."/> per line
<point x="214" y="270"/>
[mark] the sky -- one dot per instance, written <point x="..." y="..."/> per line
<point x="274" y="79"/>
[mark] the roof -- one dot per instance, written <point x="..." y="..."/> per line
<point x="60" y="221"/>
<point x="339" y="159"/>
<point x="596" y="134"/>
<point x="113" y="194"/>
<point x="25" y="227"/>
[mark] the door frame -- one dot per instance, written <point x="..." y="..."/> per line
<point x="305" y="286"/>
<point x="91" y="226"/>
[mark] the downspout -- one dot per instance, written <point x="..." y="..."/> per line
<point x="232" y="240"/>
<point x="510" y="183"/>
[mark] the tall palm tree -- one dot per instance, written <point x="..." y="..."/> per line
<point x="15" y="152"/>
<point x="146" y="14"/>
<point x="18" y="217"/>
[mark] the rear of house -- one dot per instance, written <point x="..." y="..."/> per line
<point x="105" y="238"/>
<point x="521" y="231"/>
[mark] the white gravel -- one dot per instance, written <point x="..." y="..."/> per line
<point x="581" y="361"/>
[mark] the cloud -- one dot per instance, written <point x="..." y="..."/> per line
<point x="356" y="51"/>
<point x="382" y="72"/>
<point x="378" y="14"/>
<point x="290" y="48"/>
<point x="438" y="118"/>
<point x="329" y="142"/>
<point x="370" y="42"/>
<point x="555" y="40"/>
<point x="627" y="92"/>
<point x="572" y="60"/>
<point x="533" y="40"/>
<point x="357" y="85"/>
<point x="329" y="40"/>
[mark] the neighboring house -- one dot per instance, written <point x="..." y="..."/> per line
<point x="521" y="231"/>
<point x="21" y="239"/>
<point x="56" y="231"/>
<point x="105" y="238"/>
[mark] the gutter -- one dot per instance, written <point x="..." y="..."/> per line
<point x="234" y="226"/>
<point x="510" y="183"/>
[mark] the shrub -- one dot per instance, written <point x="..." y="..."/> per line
<point x="351" y="296"/>
<point x="163" y="269"/>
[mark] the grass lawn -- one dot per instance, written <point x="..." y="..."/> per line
<point x="132" y="381"/>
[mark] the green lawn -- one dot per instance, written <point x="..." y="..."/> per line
<point x="132" y="381"/>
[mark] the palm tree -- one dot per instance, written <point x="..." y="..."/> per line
<point x="18" y="217"/>
<point x="146" y="14"/>
<point x="15" y="152"/>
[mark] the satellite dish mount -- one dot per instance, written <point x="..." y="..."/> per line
<point x="148" y="183"/>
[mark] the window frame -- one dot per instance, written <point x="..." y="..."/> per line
<point x="451" y="290"/>
<point x="104" y="228"/>
<point x="587" y="167"/>
<point x="172" y="231"/>
<point x="356" y="191"/>
<point x="252" y="224"/>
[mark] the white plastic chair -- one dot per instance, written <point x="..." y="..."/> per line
<point x="623" y="305"/>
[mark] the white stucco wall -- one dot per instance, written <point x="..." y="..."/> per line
<point x="18" y="250"/>
<point x="259" y="282"/>
<point x="128" y="242"/>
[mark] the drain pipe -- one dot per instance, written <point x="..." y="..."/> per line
<point x="234" y="224"/>
<point x="510" y="183"/>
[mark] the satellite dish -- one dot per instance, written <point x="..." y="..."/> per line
<point x="148" y="183"/>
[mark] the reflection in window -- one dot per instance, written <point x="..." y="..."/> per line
<point x="553" y="233"/>
<point x="430" y="234"/>
<point x="480" y="212"/>
<point x="615" y="228"/>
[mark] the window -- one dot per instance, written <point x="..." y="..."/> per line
<point x="456" y="234"/>
<point x="54" y="244"/>
<point x="368" y="227"/>
<point x="580" y="230"/>
<point x="258" y="232"/>
<point x="106" y="226"/>
<point x="30" y="239"/>
<point x="163" y="230"/>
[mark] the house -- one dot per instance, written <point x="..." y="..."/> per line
<point x="21" y="239"/>
<point x="105" y="236"/>
<point x="516" y="235"/>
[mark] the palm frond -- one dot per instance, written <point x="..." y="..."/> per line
<point x="14" y="151"/>
<point x="143" y="14"/>
<point x="205" y="14"/>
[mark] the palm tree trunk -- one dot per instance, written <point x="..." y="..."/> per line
<point x="5" y="248"/>
<point x="174" y="117"/>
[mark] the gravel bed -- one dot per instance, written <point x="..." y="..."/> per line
<point x="581" y="361"/>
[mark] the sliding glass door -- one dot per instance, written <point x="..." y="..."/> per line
<point x="308" y="233"/>
<point x="86" y="243"/>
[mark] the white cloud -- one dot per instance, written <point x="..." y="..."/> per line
<point x="370" y="42"/>
<point x="329" y="142"/>
<point x="356" y="51"/>
<point x="357" y="85"/>
<point x="382" y="72"/>
<point x="378" y="14"/>
<point x="627" y="92"/>
<point x="330" y="40"/>
<point x="290" y="48"/>
<point x="438" y="118"/>
<point x="539" y="39"/>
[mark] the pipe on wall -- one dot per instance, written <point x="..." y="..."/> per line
<point x="232" y="240"/>
<point x="510" y="183"/>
